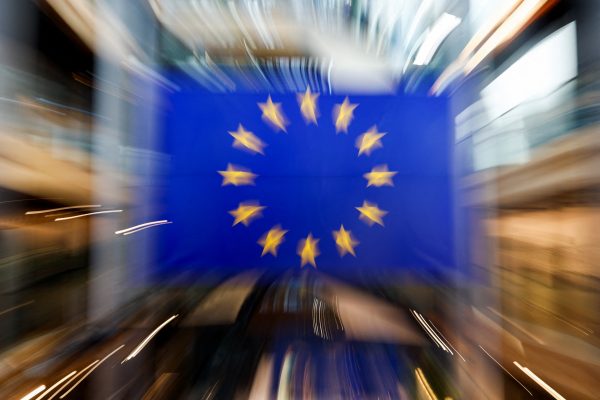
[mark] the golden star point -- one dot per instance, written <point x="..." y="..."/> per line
<point x="343" y="115"/>
<point x="379" y="176"/>
<point x="271" y="240"/>
<point x="369" y="141"/>
<point x="246" y="140"/>
<point x="237" y="176"/>
<point x="345" y="241"/>
<point x="308" y="251"/>
<point x="271" y="112"/>
<point x="308" y="106"/>
<point x="246" y="213"/>
<point x="371" y="214"/>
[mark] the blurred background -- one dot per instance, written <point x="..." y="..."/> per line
<point x="303" y="199"/>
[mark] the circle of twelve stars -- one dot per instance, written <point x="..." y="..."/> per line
<point x="248" y="211"/>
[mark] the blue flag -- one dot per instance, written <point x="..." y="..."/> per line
<point x="344" y="184"/>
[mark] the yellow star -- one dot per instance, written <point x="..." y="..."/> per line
<point x="246" y="140"/>
<point x="237" y="176"/>
<point x="246" y="213"/>
<point x="271" y="240"/>
<point x="308" y="106"/>
<point x="308" y="251"/>
<point x="345" y="241"/>
<point x="272" y="113"/>
<point x="380" y="176"/>
<point x="371" y="214"/>
<point x="343" y="114"/>
<point x="369" y="141"/>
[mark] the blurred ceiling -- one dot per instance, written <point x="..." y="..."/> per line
<point x="354" y="45"/>
<point x="421" y="46"/>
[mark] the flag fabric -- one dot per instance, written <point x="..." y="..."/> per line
<point x="345" y="184"/>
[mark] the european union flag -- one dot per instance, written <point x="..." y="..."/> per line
<point x="346" y="184"/>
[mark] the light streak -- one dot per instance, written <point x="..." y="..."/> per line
<point x="51" y="388"/>
<point x="540" y="382"/>
<point x="423" y="381"/>
<point x="436" y="339"/>
<point x="20" y="200"/>
<point x="146" y="227"/>
<point x="439" y="340"/>
<point x="518" y="326"/>
<point x="426" y="331"/>
<point x="91" y="370"/>
<point x="62" y="208"/>
<point x="505" y="370"/>
<point x="86" y="214"/>
<point x="582" y="329"/>
<point x="136" y="227"/>
<point x="456" y="68"/>
<point x="423" y="8"/>
<point x="35" y="391"/>
<point x="509" y="28"/>
<point x="444" y="25"/>
<point x="17" y="307"/>
<point x="144" y="342"/>
<point x="447" y="341"/>
<point x="60" y="389"/>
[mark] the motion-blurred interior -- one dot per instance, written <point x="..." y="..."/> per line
<point x="299" y="199"/>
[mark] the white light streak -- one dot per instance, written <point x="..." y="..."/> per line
<point x="444" y="25"/>
<point x="436" y="339"/>
<point x="86" y="214"/>
<point x="423" y="8"/>
<point x="137" y="227"/>
<point x="51" y="388"/>
<point x="540" y="382"/>
<point x="144" y="342"/>
<point x="505" y="370"/>
<point x="240" y="24"/>
<point x="447" y="341"/>
<point x="60" y="389"/>
<point x="91" y="370"/>
<point x="35" y="391"/>
<point x="62" y="208"/>
<point x="146" y="227"/>
<point x="426" y="331"/>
